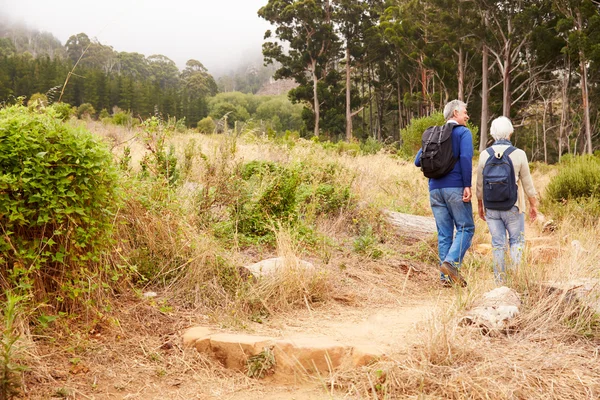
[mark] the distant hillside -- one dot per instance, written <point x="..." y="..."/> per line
<point x="274" y="87"/>
<point x="19" y="39"/>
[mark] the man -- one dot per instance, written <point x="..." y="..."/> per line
<point x="450" y="197"/>
<point x="511" y="220"/>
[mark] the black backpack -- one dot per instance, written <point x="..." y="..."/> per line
<point x="499" y="182"/>
<point x="437" y="158"/>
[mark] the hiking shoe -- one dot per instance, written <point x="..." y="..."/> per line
<point x="451" y="271"/>
<point x="445" y="283"/>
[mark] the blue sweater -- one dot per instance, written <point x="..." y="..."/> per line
<point x="462" y="147"/>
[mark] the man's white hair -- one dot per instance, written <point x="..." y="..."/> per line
<point x="501" y="128"/>
<point x="454" y="105"/>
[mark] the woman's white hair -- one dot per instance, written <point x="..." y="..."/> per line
<point x="454" y="105"/>
<point x="501" y="128"/>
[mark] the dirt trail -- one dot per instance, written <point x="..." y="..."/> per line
<point x="388" y="329"/>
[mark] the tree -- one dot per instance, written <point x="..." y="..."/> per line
<point x="306" y="28"/>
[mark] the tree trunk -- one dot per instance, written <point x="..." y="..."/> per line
<point x="371" y="131"/>
<point x="506" y="82"/>
<point x="584" y="91"/>
<point x="564" y="111"/>
<point x="483" y="136"/>
<point x="316" y="97"/>
<point x="461" y="75"/>
<point x="348" y="105"/>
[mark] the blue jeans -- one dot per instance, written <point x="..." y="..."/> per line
<point x="501" y="222"/>
<point x="450" y="212"/>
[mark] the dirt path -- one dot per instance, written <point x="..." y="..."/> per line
<point x="388" y="329"/>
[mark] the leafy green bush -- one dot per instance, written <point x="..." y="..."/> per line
<point x="63" y="111"/>
<point x="85" y="110"/>
<point x="57" y="201"/>
<point x="371" y="146"/>
<point x="206" y="125"/>
<point x="578" y="178"/>
<point x="38" y="100"/>
<point x="123" y="118"/>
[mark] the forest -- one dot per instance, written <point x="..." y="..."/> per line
<point x="364" y="69"/>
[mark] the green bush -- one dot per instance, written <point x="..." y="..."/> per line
<point x="123" y="118"/>
<point x="207" y="125"/>
<point x="576" y="179"/>
<point x="371" y="146"/>
<point x="85" y="110"/>
<point x="38" y="100"/>
<point x="57" y="201"/>
<point x="63" y="111"/>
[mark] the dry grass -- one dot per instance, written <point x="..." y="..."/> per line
<point x="552" y="353"/>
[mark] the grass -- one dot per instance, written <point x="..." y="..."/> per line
<point x="169" y="239"/>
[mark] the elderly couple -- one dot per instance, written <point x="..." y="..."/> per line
<point x="450" y="199"/>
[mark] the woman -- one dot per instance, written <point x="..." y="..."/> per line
<point x="511" y="221"/>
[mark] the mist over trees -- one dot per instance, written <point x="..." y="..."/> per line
<point x="32" y="62"/>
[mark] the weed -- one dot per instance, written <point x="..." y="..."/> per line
<point x="9" y="351"/>
<point x="262" y="364"/>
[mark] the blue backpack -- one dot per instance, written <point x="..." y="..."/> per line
<point x="499" y="182"/>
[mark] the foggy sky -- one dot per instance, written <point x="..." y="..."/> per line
<point x="219" y="33"/>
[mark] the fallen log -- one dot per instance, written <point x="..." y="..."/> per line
<point x="411" y="226"/>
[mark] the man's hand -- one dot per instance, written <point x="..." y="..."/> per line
<point x="467" y="194"/>
<point x="481" y="209"/>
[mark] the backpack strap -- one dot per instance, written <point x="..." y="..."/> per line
<point x="508" y="151"/>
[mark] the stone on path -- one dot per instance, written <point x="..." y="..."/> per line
<point x="303" y="355"/>
<point x="494" y="311"/>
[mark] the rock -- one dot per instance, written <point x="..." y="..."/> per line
<point x="233" y="350"/>
<point x="197" y="333"/>
<point x="309" y="355"/>
<point x="365" y="355"/>
<point x="494" y="311"/>
<point x="277" y="265"/>
<point x="585" y="291"/>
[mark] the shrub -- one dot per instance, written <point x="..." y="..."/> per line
<point x="578" y="178"/>
<point x="63" y="111"/>
<point x="57" y="200"/>
<point x="85" y="110"/>
<point x="38" y="100"/>
<point x="206" y="125"/>
<point x="371" y="146"/>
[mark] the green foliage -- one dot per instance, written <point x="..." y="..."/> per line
<point x="159" y="163"/>
<point x="206" y="125"/>
<point x="576" y="179"/>
<point x="270" y="195"/>
<point x="261" y="364"/>
<point x="85" y="110"/>
<point x="57" y="201"/>
<point x="38" y="100"/>
<point x="367" y="243"/>
<point x="63" y="111"/>
<point x="122" y="118"/>
<point x="371" y="146"/>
